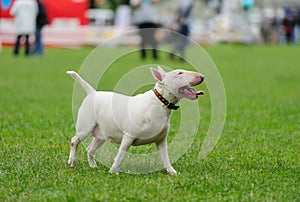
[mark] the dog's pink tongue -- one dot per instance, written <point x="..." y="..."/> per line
<point x="190" y="93"/>
<point x="200" y="92"/>
<point x="197" y="92"/>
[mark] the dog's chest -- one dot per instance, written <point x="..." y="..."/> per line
<point x="152" y="137"/>
<point x="138" y="117"/>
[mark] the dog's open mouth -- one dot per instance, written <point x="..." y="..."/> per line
<point x="189" y="92"/>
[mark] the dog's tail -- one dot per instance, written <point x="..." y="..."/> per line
<point x="85" y="85"/>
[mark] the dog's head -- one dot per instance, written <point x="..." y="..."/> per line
<point x="179" y="82"/>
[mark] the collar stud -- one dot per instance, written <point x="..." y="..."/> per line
<point x="164" y="101"/>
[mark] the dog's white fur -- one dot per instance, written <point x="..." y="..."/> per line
<point x="130" y="120"/>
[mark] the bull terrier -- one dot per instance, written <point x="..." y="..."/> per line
<point x="132" y="120"/>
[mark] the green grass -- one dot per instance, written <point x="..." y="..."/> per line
<point x="256" y="158"/>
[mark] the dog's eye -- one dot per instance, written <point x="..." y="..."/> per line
<point x="180" y="73"/>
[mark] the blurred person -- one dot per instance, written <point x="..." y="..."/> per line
<point x="0" y="37"/>
<point x="264" y="29"/>
<point x="146" y="16"/>
<point x="25" y="12"/>
<point x="267" y="29"/>
<point x="296" y="19"/>
<point x="41" y="21"/>
<point x="123" y="17"/>
<point x="181" y="26"/>
<point x="288" y="27"/>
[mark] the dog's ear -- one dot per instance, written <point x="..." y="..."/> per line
<point x="158" y="74"/>
<point x="161" y="70"/>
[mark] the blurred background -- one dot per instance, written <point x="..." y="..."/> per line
<point x="76" y="23"/>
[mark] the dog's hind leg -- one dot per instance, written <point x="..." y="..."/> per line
<point x="86" y="123"/>
<point x="79" y="136"/>
<point x="95" y="144"/>
<point x="74" y="144"/>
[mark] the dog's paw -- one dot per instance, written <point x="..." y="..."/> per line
<point x="114" y="170"/>
<point x="91" y="160"/>
<point x="71" y="163"/>
<point x="92" y="164"/>
<point x="171" y="170"/>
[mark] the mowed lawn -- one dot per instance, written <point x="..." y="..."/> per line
<point x="256" y="159"/>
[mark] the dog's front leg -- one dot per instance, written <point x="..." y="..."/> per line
<point x="125" y="144"/>
<point x="163" y="153"/>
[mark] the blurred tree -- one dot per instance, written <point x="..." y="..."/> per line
<point x="205" y="1"/>
<point x="209" y="1"/>
<point x="115" y="3"/>
<point x="92" y="4"/>
<point x="111" y="4"/>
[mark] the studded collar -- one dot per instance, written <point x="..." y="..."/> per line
<point x="164" y="100"/>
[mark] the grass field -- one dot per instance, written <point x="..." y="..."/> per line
<point x="256" y="158"/>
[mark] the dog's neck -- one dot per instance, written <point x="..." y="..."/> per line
<point x="165" y="96"/>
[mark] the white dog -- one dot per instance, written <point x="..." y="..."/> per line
<point x="132" y="120"/>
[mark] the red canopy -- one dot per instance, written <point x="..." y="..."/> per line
<point x="55" y="9"/>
